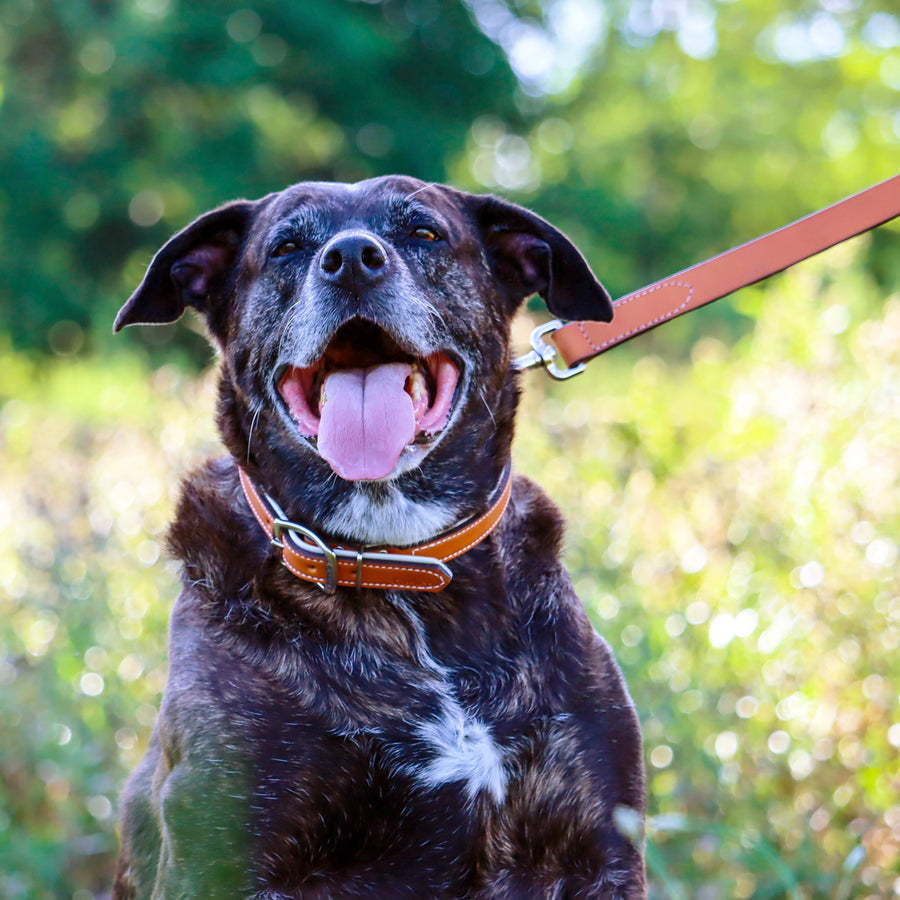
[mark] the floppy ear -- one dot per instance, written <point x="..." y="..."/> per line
<point x="190" y="270"/>
<point x="529" y="256"/>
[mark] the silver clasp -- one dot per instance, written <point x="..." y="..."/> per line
<point x="544" y="354"/>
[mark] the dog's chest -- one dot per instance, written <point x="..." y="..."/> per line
<point x="392" y="768"/>
<point x="414" y="729"/>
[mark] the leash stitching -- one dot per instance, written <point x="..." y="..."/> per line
<point x="598" y="348"/>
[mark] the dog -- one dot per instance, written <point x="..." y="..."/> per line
<point x="382" y="683"/>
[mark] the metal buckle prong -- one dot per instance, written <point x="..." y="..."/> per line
<point x="360" y="556"/>
<point x="279" y="525"/>
<point x="544" y="354"/>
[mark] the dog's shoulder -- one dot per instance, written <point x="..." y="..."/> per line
<point x="530" y="542"/>
<point x="210" y="534"/>
<point x="532" y="526"/>
<point x="540" y="589"/>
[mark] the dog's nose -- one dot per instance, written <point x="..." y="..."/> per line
<point x="353" y="261"/>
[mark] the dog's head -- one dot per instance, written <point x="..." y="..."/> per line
<point x="364" y="331"/>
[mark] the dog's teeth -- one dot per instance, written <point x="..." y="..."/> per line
<point x="317" y="396"/>
<point x="417" y="385"/>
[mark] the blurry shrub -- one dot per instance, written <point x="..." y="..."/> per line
<point x="89" y="461"/>
<point x="734" y="529"/>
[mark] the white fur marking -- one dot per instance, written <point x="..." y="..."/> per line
<point x="465" y="751"/>
<point x="397" y="520"/>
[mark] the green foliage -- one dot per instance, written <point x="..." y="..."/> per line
<point x="121" y="122"/>
<point x="782" y="138"/>
<point x="733" y="532"/>
<point x="662" y="133"/>
<point x="655" y="133"/>
<point x="90" y="458"/>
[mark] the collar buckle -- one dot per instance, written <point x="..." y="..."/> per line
<point x="329" y="586"/>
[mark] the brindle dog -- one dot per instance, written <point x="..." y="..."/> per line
<point x="474" y="742"/>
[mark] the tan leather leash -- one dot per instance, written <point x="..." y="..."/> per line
<point x="419" y="568"/>
<point x="576" y="343"/>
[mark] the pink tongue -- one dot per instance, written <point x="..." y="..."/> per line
<point x="367" y="420"/>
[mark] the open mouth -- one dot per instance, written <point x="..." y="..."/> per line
<point x="366" y="400"/>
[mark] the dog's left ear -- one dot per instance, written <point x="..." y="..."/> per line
<point x="191" y="269"/>
<point x="529" y="256"/>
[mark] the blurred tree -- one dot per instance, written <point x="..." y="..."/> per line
<point x="663" y="132"/>
<point x="656" y="132"/>
<point x="121" y="121"/>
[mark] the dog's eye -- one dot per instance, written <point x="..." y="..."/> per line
<point x="286" y="247"/>
<point x="424" y="233"/>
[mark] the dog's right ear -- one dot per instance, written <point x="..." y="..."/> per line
<point x="190" y="270"/>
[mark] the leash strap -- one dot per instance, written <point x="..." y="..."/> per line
<point x="419" y="568"/>
<point x="577" y="342"/>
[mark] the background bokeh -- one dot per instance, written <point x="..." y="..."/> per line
<point x="732" y="480"/>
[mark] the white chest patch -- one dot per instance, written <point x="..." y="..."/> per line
<point x="464" y="750"/>
<point x="395" y="520"/>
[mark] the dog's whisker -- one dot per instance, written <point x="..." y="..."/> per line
<point x="287" y="327"/>
<point x="427" y="307"/>
<point x="424" y="187"/>
<point x="487" y="405"/>
<point x="253" y="421"/>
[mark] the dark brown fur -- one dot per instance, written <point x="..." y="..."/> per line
<point x="298" y="750"/>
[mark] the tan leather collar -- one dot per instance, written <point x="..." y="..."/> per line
<point x="419" y="568"/>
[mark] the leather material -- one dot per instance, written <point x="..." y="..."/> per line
<point x="642" y="310"/>
<point x="419" y="568"/>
